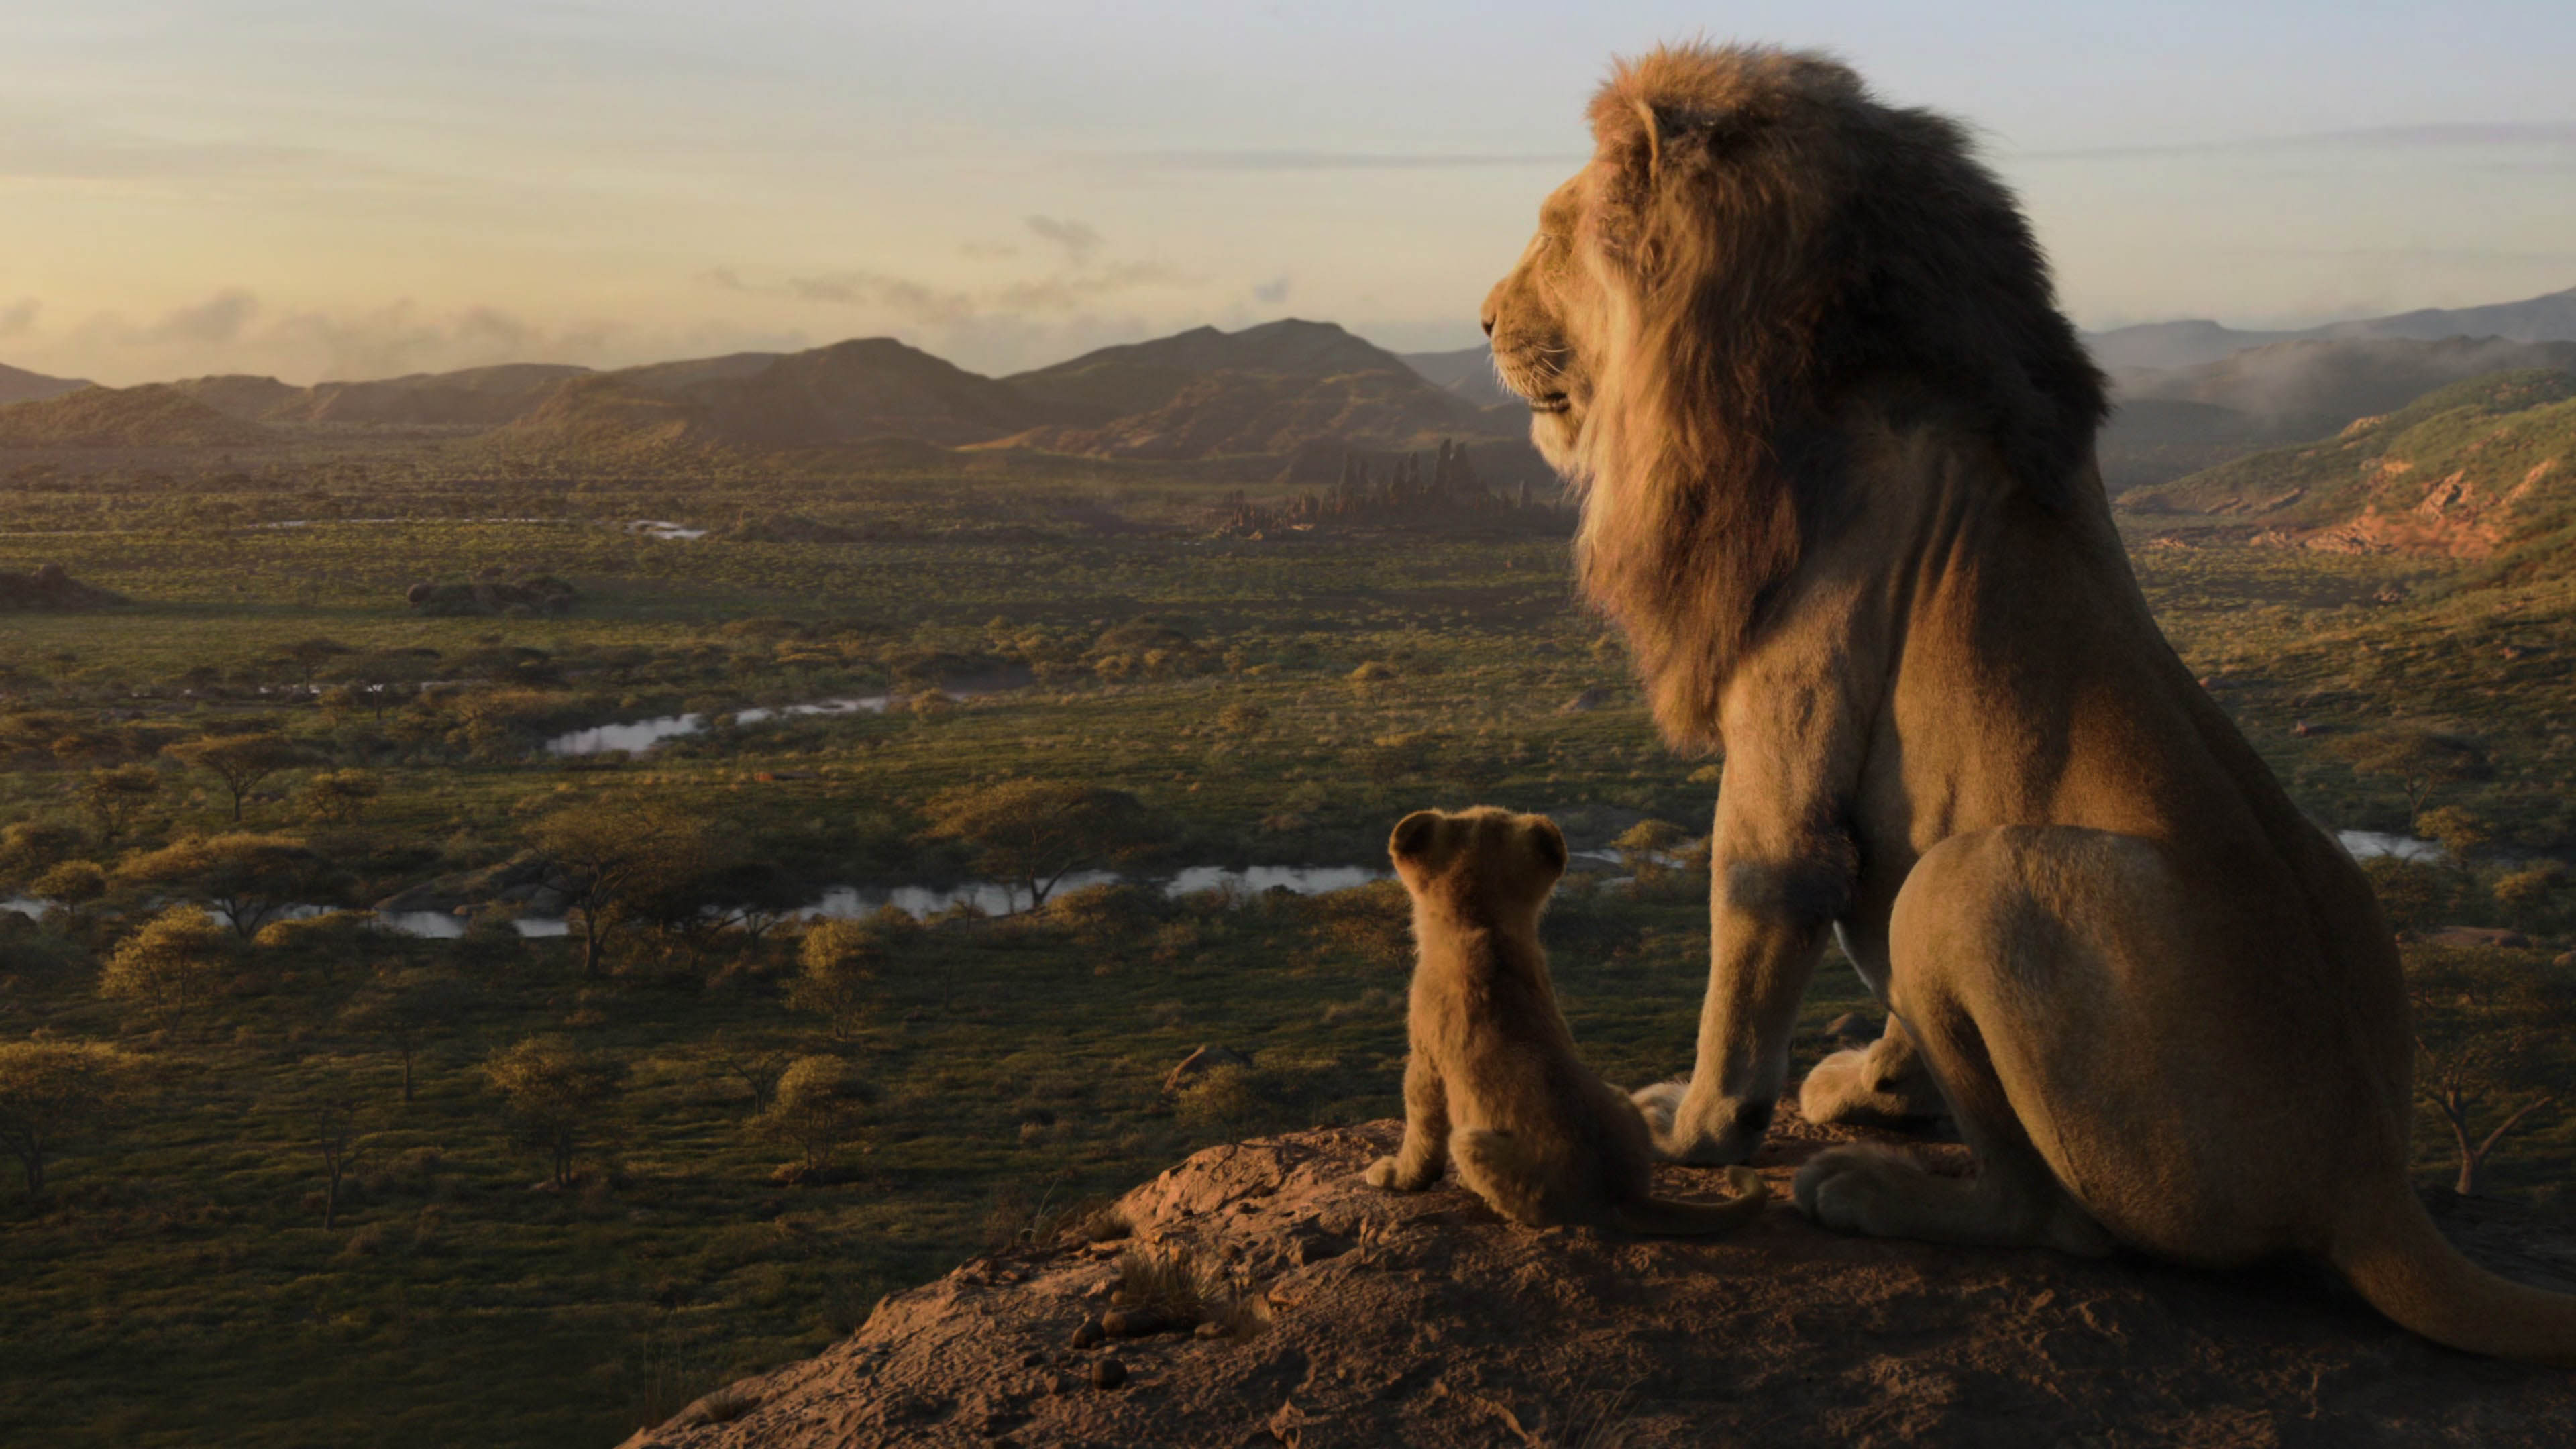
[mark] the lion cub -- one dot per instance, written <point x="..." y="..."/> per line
<point x="1493" y="1081"/>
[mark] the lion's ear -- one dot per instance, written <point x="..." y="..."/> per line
<point x="1550" y="842"/>
<point x="1652" y="129"/>
<point x="1413" y="834"/>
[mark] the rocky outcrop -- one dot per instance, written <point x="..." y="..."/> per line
<point x="1368" y="1318"/>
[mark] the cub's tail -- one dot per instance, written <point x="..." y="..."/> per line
<point x="1655" y="1217"/>
<point x="2391" y="1253"/>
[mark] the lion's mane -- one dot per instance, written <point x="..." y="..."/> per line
<point x="1774" y="242"/>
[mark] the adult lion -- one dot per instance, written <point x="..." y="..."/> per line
<point x="1836" y="446"/>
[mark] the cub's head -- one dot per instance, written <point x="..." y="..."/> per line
<point x="1484" y="861"/>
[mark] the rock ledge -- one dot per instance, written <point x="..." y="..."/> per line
<point x="1428" y="1321"/>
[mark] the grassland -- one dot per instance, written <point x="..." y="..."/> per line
<point x="1277" y="701"/>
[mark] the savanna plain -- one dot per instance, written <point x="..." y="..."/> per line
<point x="383" y="1063"/>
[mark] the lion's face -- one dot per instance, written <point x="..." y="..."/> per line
<point x="1545" y="319"/>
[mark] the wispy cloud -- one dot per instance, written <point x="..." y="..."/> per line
<point x="2372" y="138"/>
<point x="1078" y="239"/>
<point x="1332" y="160"/>
<point x="18" y="318"/>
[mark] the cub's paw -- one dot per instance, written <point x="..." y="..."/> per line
<point x="1388" y="1173"/>
<point x="1660" y="1104"/>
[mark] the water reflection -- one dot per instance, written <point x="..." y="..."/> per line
<point x="644" y="734"/>
<point x="2363" y="844"/>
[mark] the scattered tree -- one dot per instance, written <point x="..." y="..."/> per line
<point x="52" y="1090"/>
<point x="335" y="1130"/>
<point x="609" y="859"/>
<point x="114" y="797"/>
<point x="756" y="1069"/>
<point x="1034" y="833"/>
<point x="29" y="848"/>
<point x="340" y="797"/>
<point x="72" y="885"/>
<point x="307" y="656"/>
<point x="2461" y="833"/>
<point x="2490" y="1030"/>
<point x="2417" y="760"/>
<point x="816" y="1109"/>
<point x="2413" y="896"/>
<point x="238" y="762"/>
<point x="839" y="975"/>
<point x="555" y="1096"/>
<point x="247" y="877"/>
<point x="164" y="963"/>
<point x="1643" y="847"/>
<point x="406" y="1009"/>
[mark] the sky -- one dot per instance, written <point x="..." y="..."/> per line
<point x="364" y="188"/>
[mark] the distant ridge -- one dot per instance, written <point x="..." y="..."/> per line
<point x="1468" y="372"/>
<point x="155" y="415"/>
<point x="19" y="385"/>
<point x="2473" y="470"/>
<point x="2550" y="318"/>
<point x="476" y="396"/>
<point x="1140" y="377"/>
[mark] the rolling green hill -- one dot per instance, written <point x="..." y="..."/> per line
<point x="2468" y="471"/>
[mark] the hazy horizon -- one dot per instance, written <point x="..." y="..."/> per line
<point x="300" y="190"/>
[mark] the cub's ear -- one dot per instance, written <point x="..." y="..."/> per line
<point x="1550" y="842"/>
<point x="1413" y="834"/>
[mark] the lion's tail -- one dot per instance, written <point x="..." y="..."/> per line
<point x="1656" y="1217"/>
<point x="2391" y="1253"/>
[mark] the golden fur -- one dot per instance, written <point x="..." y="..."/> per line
<point x="1493" y="1082"/>
<point x="1835" y="440"/>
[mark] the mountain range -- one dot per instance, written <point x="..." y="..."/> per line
<point x="2186" y="344"/>
<point x="1270" y="391"/>
<point x="19" y="385"/>
<point x="2191" y="395"/>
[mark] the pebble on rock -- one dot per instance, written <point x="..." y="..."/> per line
<point x="1109" y="1373"/>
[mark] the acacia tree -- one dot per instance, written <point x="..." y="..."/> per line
<point x="165" y="962"/>
<point x="1643" y="846"/>
<point x="2417" y="760"/>
<point x="839" y="961"/>
<point x="407" y="1009"/>
<point x="609" y="859"/>
<point x="335" y="1131"/>
<point x="72" y="885"/>
<point x="555" y="1096"/>
<point x="339" y="797"/>
<point x="52" y="1090"/>
<point x="238" y="762"/>
<point x="2490" y="1033"/>
<point x="307" y="656"/>
<point x="816" y="1109"/>
<point x="248" y="877"/>
<point x="114" y="796"/>
<point x="1034" y="833"/>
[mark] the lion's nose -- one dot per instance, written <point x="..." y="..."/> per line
<point x="1487" y="317"/>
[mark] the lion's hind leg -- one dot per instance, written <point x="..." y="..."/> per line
<point x="1948" y="972"/>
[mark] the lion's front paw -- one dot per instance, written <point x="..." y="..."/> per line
<point x="1843" y="1188"/>
<point x="1389" y="1173"/>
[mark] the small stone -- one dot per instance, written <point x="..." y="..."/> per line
<point x="1089" y="1334"/>
<point x="1109" y="1373"/>
<point x="1310" y="1251"/>
<point x="1034" y="1358"/>
<point x="1062" y="1383"/>
<point x="1211" y="1330"/>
